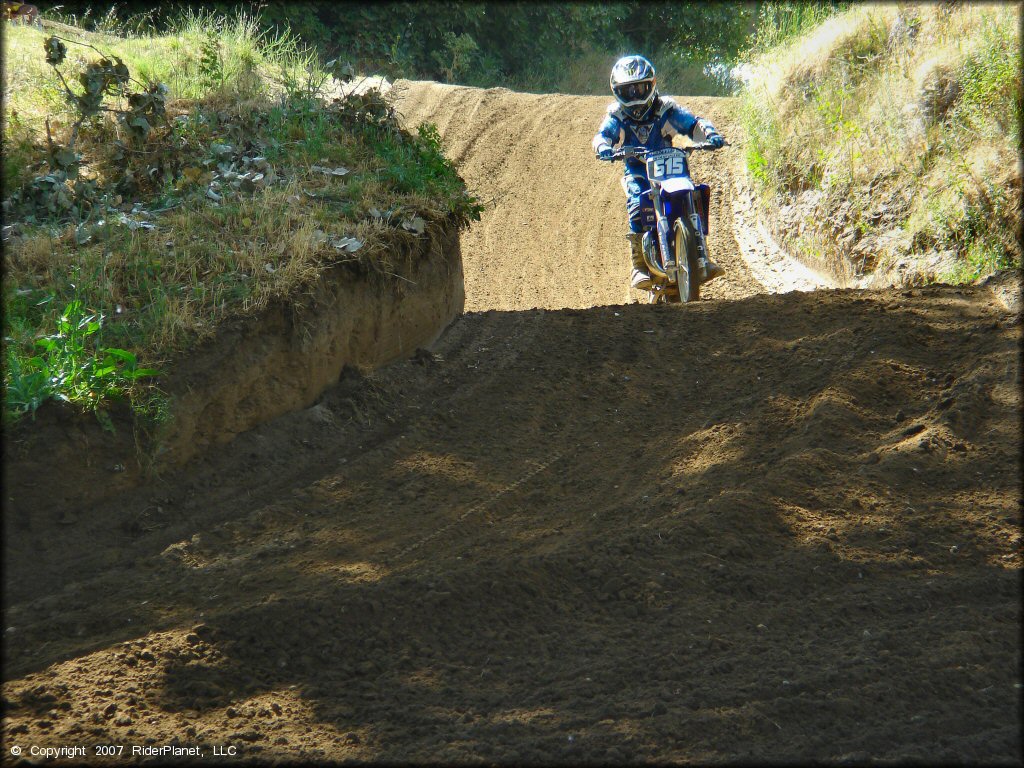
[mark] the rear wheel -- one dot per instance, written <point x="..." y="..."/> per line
<point x="686" y="254"/>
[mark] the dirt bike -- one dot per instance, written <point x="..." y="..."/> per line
<point x="675" y="223"/>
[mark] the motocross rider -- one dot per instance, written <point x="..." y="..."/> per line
<point x="640" y="117"/>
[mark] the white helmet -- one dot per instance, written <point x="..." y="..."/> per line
<point x="634" y="85"/>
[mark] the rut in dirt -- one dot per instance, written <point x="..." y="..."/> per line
<point x="762" y="526"/>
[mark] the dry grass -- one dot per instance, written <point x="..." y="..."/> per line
<point x="250" y="63"/>
<point x="164" y="264"/>
<point x="164" y="289"/>
<point x="913" y="107"/>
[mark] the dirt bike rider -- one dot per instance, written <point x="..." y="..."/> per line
<point x="640" y="117"/>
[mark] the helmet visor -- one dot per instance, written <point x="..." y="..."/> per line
<point x="634" y="93"/>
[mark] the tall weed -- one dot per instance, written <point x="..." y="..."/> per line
<point x="780" y="22"/>
<point x="991" y="81"/>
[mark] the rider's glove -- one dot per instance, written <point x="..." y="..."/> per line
<point x="604" y="153"/>
<point x="711" y="136"/>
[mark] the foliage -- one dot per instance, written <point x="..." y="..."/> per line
<point x="211" y="61"/>
<point x="903" y="120"/>
<point x="522" y="45"/>
<point x="61" y="194"/>
<point x="70" y="365"/>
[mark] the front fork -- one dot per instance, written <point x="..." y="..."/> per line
<point x="665" y="236"/>
<point x="698" y="231"/>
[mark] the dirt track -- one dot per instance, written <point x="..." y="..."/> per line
<point x="555" y="237"/>
<point x="761" y="528"/>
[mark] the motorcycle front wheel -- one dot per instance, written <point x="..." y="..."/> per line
<point x="686" y="254"/>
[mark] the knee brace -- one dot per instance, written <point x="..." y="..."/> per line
<point x="635" y="190"/>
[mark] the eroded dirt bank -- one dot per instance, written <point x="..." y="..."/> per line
<point x="254" y="369"/>
<point x="759" y="528"/>
<point x="254" y="372"/>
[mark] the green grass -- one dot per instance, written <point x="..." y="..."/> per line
<point x="779" y="23"/>
<point x="914" y="109"/>
<point x="991" y="78"/>
<point x="69" y="365"/>
<point x="150" y="259"/>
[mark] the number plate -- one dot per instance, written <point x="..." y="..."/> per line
<point x="666" y="164"/>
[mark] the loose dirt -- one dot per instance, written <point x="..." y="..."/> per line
<point x="763" y="527"/>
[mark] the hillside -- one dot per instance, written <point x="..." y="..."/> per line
<point x="885" y="142"/>
<point x="161" y="191"/>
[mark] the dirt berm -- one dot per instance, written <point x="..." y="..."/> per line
<point x="253" y="369"/>
<point x="761" y="528"/>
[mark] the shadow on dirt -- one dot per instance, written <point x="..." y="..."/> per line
<point x="788" y="523"/>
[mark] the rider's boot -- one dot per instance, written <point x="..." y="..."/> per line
<point x="640" y="278"/>
<point x="712" y="270"/>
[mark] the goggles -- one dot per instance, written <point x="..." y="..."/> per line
<point x="631" y="93"/>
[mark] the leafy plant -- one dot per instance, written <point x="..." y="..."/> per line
<point x="70" y="366"/>
<point x="60" y="193"/>
<point x="25" y="387"/>
<point x="211" y="60"/>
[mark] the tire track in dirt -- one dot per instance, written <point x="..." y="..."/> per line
<point x="779" y="527"/>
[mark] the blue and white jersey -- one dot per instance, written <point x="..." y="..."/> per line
<point x="666" y="119"/>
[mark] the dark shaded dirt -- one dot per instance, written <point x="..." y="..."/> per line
<point x="762" y="528"/>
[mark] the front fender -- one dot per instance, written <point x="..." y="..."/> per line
<point x="678" y="184"/>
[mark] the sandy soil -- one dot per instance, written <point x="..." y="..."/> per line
<point x="764" y="527"/>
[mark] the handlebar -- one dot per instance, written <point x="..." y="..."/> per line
<point x="642" y="152"/>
